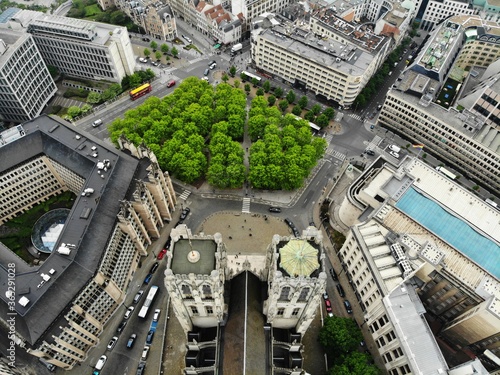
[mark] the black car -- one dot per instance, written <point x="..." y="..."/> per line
<point x="348" y="307"/>
<point x="370" y="152"/>
<point x="185" y="212"/>
<point x="145" y="39"/>
<point x="154" y="267"/>
<point x="340" y="290"/>
<point x="334" y="275"/>
<point x="167" y="244"/>
<point x="121" y="327"/>
<point x="149" y="338"/>
<point x="274" y="209"/>
<point x="141" y="368"/>
<point x="212" y="62"/>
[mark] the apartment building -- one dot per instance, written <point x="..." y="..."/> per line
<point x="27" y="85"/>
<point x="423" y="106"/>
<point x="417" y="247"/>
<point x="332" y="66"/>
<point x="437" y="11"/>
<point x="101" y="245"/>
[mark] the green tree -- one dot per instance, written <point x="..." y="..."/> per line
<point x="340" y="336"/>
<point x="147" y="52"/>
<point x="303" y="102"/>
<point x="266" y="86"/>
<point x="260" y="92"/>
<point x="354" y="363"/>
<point x="153" y="45"/>
<point x="278" y="92"/>
<point x="236" y="83"/>
<point x="118" y="18"/>
<point x="322" y="121"/>
<point x="243" y="76"/>
<point x="174" y="52"/>
<point x="93" y="97"/>
<point x="247" y="88"/>
<point x="158" y="55"/>
<point x="329" y="113"/>
<point x="290" y="97"/>
<point x="271" y="100"/>
<point x="283" y="105"/>
<point x="225" y="77"/>
<point x="164" y="48"/>
<point x="297" y="110"/>
<point x="316" y="109"/>
<point x="74" y="111"/>
<point x="255" y="82"/>
<point x="309" y="116"/>
<point x="232" y="70"/>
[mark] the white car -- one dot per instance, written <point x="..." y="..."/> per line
<point x="129" y="312"/>
<point x="101" y="362"/>
<point x="97" y="123"/>
<point x="213" y="66"/>
<point x="156" y="316"/>
<point x="145" y="353"/>
<point x="112" y="342"/>
<point x="143" y="60"/>
<point x="395" y="154"/>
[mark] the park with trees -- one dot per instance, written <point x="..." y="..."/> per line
<point x="196" y="134"/>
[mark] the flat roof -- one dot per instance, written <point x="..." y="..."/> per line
<point x="72" y="148"/>
<point x="181" y="251"/>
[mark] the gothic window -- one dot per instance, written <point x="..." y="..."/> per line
<point x="303" y="294"/>
<point x="281" y="311"/>
<point x="186" y="291"/>
<point x="285" y="293"/>
<point x="207" y="291"/>
<point x="194" y="310"/>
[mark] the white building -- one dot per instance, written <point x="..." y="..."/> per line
<point x="437" y="11"/>
<point x="27" y="85"/>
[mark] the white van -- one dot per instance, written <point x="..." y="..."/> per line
<point x="395" y="148"/>
<point x="101" y="362"/>
<point x="96" y="123"/>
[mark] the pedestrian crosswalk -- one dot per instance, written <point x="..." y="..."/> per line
<point x="336" y="154"/>
<point x="246" y="205"/>
<point x="328" y="138"/>
<point x="185" y="194"/>
<point x="355" y="116"/>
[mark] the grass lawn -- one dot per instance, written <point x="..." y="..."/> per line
<point x="92" y="10"/>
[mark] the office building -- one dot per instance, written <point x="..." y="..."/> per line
<point x="78" y="48"/>
<point x="121" y="204"/>
<point x="422" y="246"/>
<point x="27" y="85"/>
<point x="437" y="11"/>
<point x="437" y="103"/>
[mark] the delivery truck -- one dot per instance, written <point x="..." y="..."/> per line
<point x="236" y="48"/>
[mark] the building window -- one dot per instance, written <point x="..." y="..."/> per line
<point x="281" y="311"/>
<point x="295" y="311"/>
<point x="303" y="294"/>
<point x="186" y="291"/>
<point x="285" y="294"/>
<point x="194" y="310"/>
<point x="207" y="291"/>
<point x="209" y="310"/>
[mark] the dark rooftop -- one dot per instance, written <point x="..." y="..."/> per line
<point x="204" y="266"/>
<point x="86" y="237"/>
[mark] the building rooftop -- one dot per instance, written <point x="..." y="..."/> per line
<point x="182" y="251"/>
<point x="87" y="229"/>
<point x="343" y="57"/>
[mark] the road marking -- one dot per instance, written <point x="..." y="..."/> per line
<point x="185" y="194"/>
<point x="336" y="154"/>
<point x="246" y="205"/>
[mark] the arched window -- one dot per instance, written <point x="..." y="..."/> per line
<point x="186" y="291"/>
<point x="303" y="294"/>
<point x="285" y="294"/>
<point x="207" y="291"/>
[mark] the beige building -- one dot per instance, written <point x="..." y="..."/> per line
<point x="101" y="244"/>
<point x="421" y="245"/>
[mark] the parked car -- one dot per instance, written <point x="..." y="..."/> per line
<point x="348" y="307"/>
<point x="333" y="274"/>
<point x="275" y="209"/>
<point x="112" y="343"/>
<point x="370" y="152"/>
<point x="188" y="39"/>
<point x="146" y="39"/>
<point x="143" y="60"/>
<point x="395" y="154"/>
<point x="212" y="62"/>
<point x="97" y="123"/>
<point x="185" y="212"/>
<point x="325" y="296"/>
<point x="48" y="365"/>
<point x="156" y="316"/>
<point x="213" y="66"/>
<point x="101" y="362"/>
<point x="138" y="296"/>
<point x="154" y="267"/>
<point x="129" y="312"/>
<point x="148" y="278"/>
<point x="340" y="290"/>
<point x="149" y="337"/>
<point x="379" y="107"/>
<point x="167" y="244"/>
<point x="328" y="306"/>
<point x="161" y="254"/>
<point x="141" y="368"/>
<point x="131" y="341"/>
<point x="145" y="353"/>
<point x="206" y="72"/>
<point x="171" y="83"/>
<point x="121" y="327"/>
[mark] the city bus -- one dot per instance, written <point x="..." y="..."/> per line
<point x="447" y="173"/>
<point x="249" y="77"/>
<point x="148" y="302"/>
<point x="140" y="91"/>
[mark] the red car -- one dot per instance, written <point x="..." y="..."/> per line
<point x="171" y="83"/>
<point x="328" y="306"/>
<point x="161" y="254"/>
